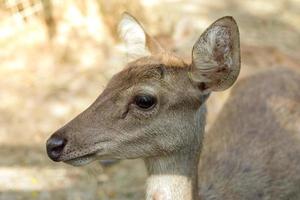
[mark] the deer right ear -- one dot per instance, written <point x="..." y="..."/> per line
<point x="216" y="56"/>
<point x="138" y="43"/>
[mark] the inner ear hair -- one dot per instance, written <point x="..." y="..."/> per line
<point x="137" y="41"/>
<point x="216" y="56"/>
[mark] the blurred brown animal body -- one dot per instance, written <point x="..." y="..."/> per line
<point x="155" y="110"/>
<point x="253" y="149"/>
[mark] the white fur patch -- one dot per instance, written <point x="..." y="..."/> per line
<point x="134" y="37"/>
<point x="168" y="187"/>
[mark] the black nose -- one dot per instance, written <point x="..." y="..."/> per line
<point x="55" y="146"/>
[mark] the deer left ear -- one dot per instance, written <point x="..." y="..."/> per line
<point x="216" y="56"/>
<point x="138" y="43"/>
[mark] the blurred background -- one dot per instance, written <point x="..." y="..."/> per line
<point x="57" y="56"/>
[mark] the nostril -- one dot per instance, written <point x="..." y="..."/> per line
<point x="55" y="147"/>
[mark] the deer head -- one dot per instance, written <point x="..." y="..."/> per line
<point x="151" y="107"/>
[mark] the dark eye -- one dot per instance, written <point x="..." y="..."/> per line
<point x="145" y="101"/>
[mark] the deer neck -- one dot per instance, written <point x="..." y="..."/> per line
<point x="175" y="176"/>
<point x="172" y="178"/>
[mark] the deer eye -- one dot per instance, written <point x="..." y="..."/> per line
<point x="144" y="101"/>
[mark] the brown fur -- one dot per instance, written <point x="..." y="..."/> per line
<point x="251" y="152"/>
<point x="169" y="135"/>
<point x="253" y="148"/>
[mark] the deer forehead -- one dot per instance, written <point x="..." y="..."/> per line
<point x="147" y="68"/>
<point x="167" y="59"/>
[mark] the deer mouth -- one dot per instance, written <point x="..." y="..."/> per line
<point x="83" y="156"/>
<point x="82" y="160"/>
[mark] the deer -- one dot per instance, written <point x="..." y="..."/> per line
<point x="155" y="109"/>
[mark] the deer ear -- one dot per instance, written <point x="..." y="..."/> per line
<point x="216" y="56"/>
<point x="137" y="42"/>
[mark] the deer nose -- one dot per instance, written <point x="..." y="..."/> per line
<point x="55" y="146"/>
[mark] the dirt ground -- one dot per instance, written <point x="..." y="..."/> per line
<point x="46" y="82"/>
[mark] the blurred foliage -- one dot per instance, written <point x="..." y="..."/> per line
<point x="110" y="9"/>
